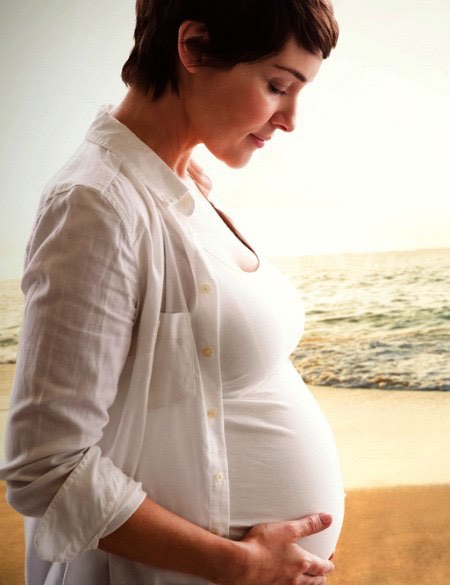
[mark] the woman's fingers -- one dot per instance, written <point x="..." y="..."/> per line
<point x="310" y="525"/>
<point x="305" y="527"/>
<point x="273" y="556"/>
<point x="316" y="581"/>
<point x="315" y="566"/>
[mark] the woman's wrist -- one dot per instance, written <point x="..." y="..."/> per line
<point x="156" y="536"/>
<point x="226" y="562"/>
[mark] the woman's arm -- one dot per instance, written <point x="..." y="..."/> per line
<point x="267" y="555"/>
<point x="81" y="289"/>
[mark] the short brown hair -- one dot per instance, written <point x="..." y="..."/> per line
<point x="238" y="31"/>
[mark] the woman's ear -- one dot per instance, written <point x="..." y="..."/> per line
<point x="191" y="36"/>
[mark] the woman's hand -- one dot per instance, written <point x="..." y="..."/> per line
<point x="272" y="557"/>
<point x="267" y="555"/>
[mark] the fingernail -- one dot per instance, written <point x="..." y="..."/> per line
<point x="325" y="519"/>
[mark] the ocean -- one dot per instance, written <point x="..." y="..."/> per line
<point x="377" y="320"/>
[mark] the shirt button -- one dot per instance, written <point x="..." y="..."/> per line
<point x="218" y="476"/>
<point x="207" y="351"/>
<point x="205" y="288"/>
<point x="186" y="204"/>
<point x="213" y="412"/>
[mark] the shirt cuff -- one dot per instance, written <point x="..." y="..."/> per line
<point x="131" y="499"/>
<point x="84" y="507"/>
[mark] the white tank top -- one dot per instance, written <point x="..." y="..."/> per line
<point x="282" y="457"/>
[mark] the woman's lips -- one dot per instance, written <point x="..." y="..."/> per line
<point x="259" y="142"/>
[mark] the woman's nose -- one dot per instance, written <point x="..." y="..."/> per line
<point x="285" y="118"/>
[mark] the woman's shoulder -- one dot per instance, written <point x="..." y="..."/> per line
<point x="99" y="175"/>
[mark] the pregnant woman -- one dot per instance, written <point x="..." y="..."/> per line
<point x="158" y="432"/>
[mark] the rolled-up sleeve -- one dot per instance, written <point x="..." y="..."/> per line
<point x="81" y="296"/>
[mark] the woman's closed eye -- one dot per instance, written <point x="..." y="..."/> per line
<point x="274" y="89"/>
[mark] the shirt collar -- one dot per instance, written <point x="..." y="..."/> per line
<point x="107" y="132"/>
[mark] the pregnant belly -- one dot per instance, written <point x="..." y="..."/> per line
<point x="282" y="458"/>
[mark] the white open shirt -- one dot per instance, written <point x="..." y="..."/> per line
<point x="110" y="368"/>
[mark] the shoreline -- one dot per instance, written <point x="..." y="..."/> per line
<point x="384" y="437"/>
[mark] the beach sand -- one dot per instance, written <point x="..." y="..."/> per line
<point x="395" y="536"/>
<point x="394" y="449"/>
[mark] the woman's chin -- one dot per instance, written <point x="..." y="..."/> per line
<point x="233" y="160"/>
<point x="237" y="165"/>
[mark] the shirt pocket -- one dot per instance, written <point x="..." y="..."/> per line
<point x="173" y="376"/>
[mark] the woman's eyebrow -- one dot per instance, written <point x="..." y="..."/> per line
<point x="294" y="72"/>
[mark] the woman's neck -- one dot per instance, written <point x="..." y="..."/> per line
<point x="162" y="124"/>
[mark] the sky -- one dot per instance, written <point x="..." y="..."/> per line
<point x="365" y="170"/>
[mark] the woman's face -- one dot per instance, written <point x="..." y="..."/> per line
<point x="237" y="111"/>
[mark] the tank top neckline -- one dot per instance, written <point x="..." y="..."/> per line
<point x="231" y="265"/>
<point x="229" y="225"/>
